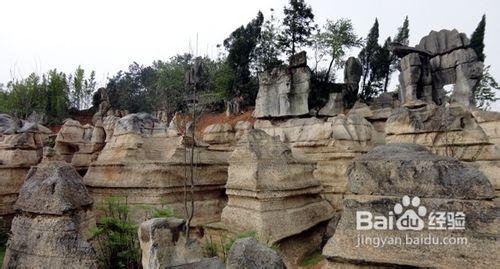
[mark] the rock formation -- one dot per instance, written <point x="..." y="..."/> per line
<point x="147" y="162"/>
<point x="329" y="143"/>
<point x="269" y="191"/>
<point x="439" y="196"/>
<point x="54" y="211"/>
<point x="248" y="253"/>
<point x="441" y="58"/>
<point x="21" y="146"/>
<point x="284" y="91"/>
<point x="452" y="131"/>
<point x="164" y="245"/>
<point x="79" y="145"/>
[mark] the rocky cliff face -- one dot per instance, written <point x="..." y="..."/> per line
<point x="328" y="143"/>
<point x="21" y="146"/>
<point x="270" y="192"/>
<point x="54" y="211"/>
<point x="145" y="162"/>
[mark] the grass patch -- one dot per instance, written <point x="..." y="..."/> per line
<point x="2" y="254"/>
<point x="313" y="259"/>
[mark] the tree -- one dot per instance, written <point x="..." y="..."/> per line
<point x="477" y="39"/>
<point x="297" y="26"/>
<point x="336" y="38"/>
<point x="484" y="93"/>
<point x="402" y="37"/>
<point x="241" y="45"/>
<point x="81" y="89"/>
<point x="267" y="52"/>
<point x="367" y="56"/>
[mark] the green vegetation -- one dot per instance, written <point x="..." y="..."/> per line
<point x="477" y="39"/>
<point x="297" y="26"/>
<point x="484" y="94"/>
<point x="4" y="236"/>
<point x="313" y="259"/>
<point x="116" y="235"/>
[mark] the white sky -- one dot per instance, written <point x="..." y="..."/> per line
<point x="108" y="35"/>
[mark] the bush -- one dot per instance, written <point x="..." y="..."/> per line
<point x="116" y="235"/>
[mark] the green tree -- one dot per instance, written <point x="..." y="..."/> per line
<point x="368" y="57"/>
<point x="267" y="52"/>
<point x="241" y="45"/>
<point x="484" y="93"/>
<point x="477" y="39"/>
<point x="81" y="89"/>
<point x="297" y="26"/>
<point x="402" y="37"/>
<point x="337" y="38"/>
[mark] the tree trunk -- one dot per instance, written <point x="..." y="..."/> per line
<point x="327" y="76"/>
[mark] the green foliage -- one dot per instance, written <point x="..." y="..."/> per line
<point x="210" y="249"/>
<point x="241" y="45"/>
<point x="297" y="26"/>
<point x="336" y="39"/>
<point x="313" y="259"/>
<point x="367" y="56"/>
<point x="477" y="39"/>
<point x="51" y="94"/>
<point x="116" y="235"/>
<point x="81" y="89"/>
<point x="484" y="93"/>
<point x="267" y="52"/>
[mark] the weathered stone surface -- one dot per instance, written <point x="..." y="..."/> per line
<point x="219" y="136"/>
<point x="269" y="191"/>
<point x="449" y="60"/>
<point x="394" y="169"/>
<point x="205" y="263"/>
<point x="53" y="188"/>
<point x="283" y="92"/>
<point x="48" y="233"/>
<point x="361" y="109"/>
<point x="334" y="106"/>
<point x="352" y="71"/>
<point x="442" y="185"/>
<point x="21" y="146"/>
<point x="79" y="144"/>
<point x="329" y="143"/>
<point x="248" y="253"/>
<point x="298" y="59"/>
<point x="146" y="163"/>
<point x="163" y="244"/>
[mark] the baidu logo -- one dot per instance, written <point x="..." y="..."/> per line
<point x="410" y="215"/>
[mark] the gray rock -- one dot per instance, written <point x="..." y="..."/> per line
<point x="410" y="169"/>
<point x="298" y="59"/>
<point x="53" y="188"/>
<point x="248" y="253"/>
<point x="164" y="246"/>
<point x="142" y="123"/>
<point x="334" y="106"/>
<point x="283" y="92"/>
<point x="48" y="233"/>
<point x="352" y="71"/>
<point x="205" y="263"/>
<point x="443" y="41"/>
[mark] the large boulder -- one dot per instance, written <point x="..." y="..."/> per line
<point x="248" y="253"/>
<point x="55" y="209"/>
<point x="409" y="207"/>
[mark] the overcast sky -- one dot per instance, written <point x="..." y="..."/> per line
<point x="108" y="35"/>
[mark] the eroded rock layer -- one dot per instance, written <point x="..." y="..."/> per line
<point x="269" y="191"/>
<point x="54" y="212"/>
<point x="148" y="163"/>
<point x="407" y="182"/>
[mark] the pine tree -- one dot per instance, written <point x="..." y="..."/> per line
<point x="297" y="26"/>
<point x="477" y="39"/>
<point x="402" y="37"/>
<point x="367" y="58"/>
